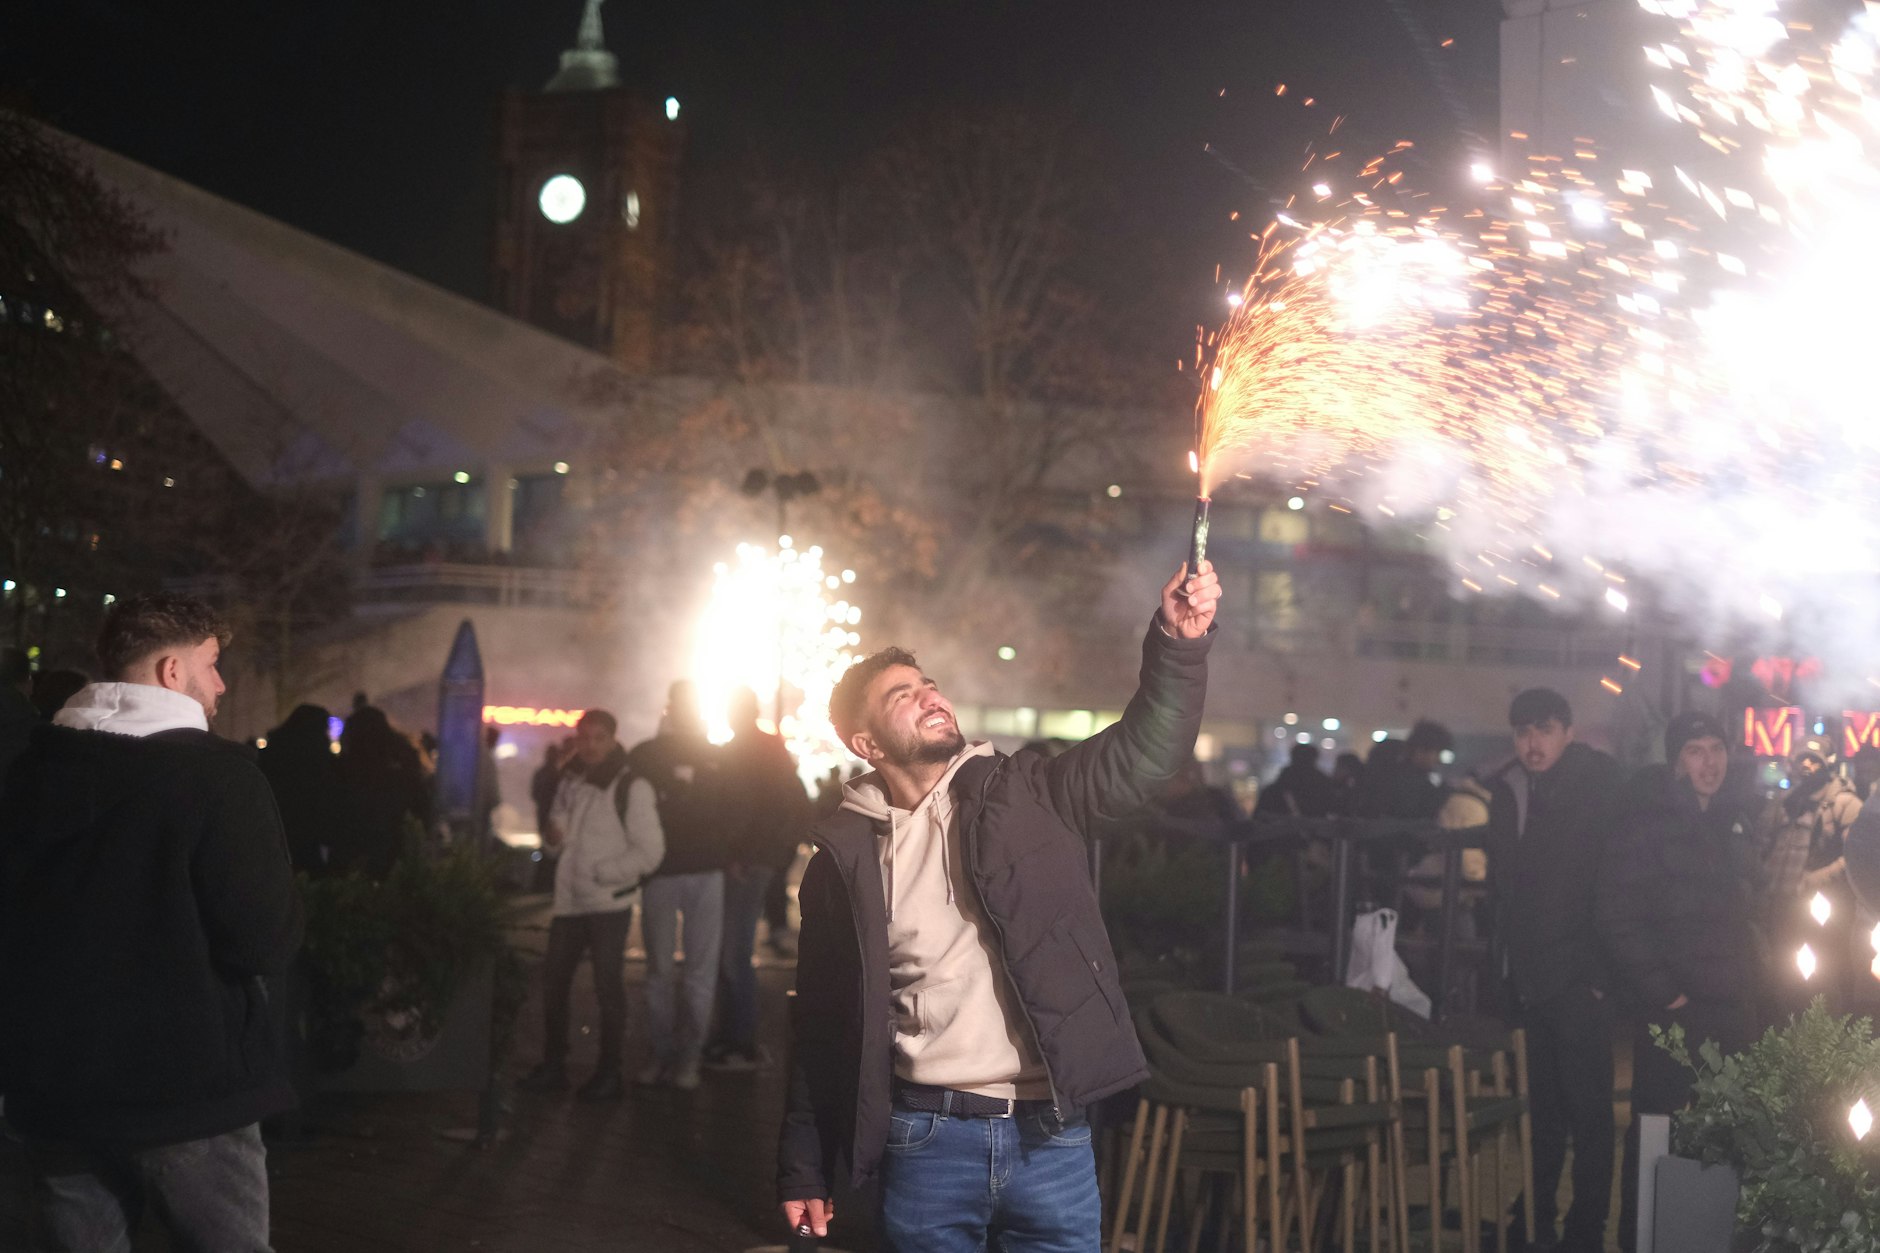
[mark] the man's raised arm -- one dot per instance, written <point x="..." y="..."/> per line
<point x="1120" y="769"/>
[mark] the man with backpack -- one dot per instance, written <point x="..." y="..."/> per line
<point x="605" y="835"/>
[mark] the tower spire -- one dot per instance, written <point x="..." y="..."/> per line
<point x="590" y="38"/>
<point x="587" y="66"/>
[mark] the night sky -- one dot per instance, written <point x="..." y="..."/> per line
<point x="369" y="122"/>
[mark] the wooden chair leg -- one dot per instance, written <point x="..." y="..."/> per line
<point x="1432" y="1109"/>
<point x="1131" y="1160"/>
<point x="1373" y="1150"/>
<point x="1465" y="1185"/>
<point x="1249" y="1169"/>
<point x="1348" y="1202"/>
<point x="1300" y="1182"/>
<point x="1168" y="1189"/>
<point x="1151" y="1177"/>
<point x="1399" y="1152"/>
<point x="1276" y="1227"/>
<point x="1519" y="1040"/>
<point x="1501" y="1160"/>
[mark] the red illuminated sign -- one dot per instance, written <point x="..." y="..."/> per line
<point x="1859" y="729"/>
<point x="1778" y="675"/>
<point x="528" y="716"/>
<point x="1771" y="732"/>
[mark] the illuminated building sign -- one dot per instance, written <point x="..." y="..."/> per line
<point x="1771" y="732"/>
<point x="528" y="716"/>
<point x="1859" y="730"/>
<point x="1778" y="675"/>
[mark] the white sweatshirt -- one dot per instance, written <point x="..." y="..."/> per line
<point x="957" y="1023"/>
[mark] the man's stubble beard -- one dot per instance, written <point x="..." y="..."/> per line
<point x="918" y="752"/>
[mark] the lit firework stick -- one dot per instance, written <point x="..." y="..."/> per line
<point x="785" y="627"/>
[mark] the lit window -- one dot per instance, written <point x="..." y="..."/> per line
<point x="630" y="211"/>
<point x="672" y="108"/>
<point x="561" y="467"/>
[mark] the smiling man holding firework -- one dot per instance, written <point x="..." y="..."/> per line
<point x="957" y="1002"/>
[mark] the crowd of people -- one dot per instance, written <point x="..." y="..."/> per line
<point x="692" y="833"/>
<point x="954" y="967"/>
<point x="1677" y="896"/>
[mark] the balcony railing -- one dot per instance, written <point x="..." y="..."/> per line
<point x="458" y="583"/>
<point x="1458" y="643"/>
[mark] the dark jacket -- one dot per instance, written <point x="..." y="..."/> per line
<point x="1022" y="822"/>
<point x="694" y="811"/>
<point x="1677" y="894"/>
<point x="145" y="902"/>
<point x="1299" y="791"/>
<point x="1393" y="787"/>
<point x="304" y="773"/>
<point x="772" y="811"/>
<point x="1546" y="835"/>
<point x="17" y="720"/>
<point x="385" y="789"/>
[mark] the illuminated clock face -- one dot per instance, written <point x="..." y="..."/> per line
<point x="563" y="198"/>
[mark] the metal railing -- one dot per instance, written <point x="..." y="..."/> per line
<point x="1457" y="643"/>
<point x="460" y="583"/>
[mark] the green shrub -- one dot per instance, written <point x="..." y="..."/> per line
<point x="398" y="949"/>
<point x="1778" y="1114"/>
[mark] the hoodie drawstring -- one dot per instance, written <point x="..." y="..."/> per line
<point x="892" y="841"/>
<point x="946" y="864"/>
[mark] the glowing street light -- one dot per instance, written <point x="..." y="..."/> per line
<point x="1821" y="909"/>
<point x="1860" y="1118"/>
<point x="1805" y="961"/>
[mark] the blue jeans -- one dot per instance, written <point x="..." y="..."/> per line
<point x="211" y="1194"/>
<point x="737" y="978"/>
<point x="1015" y="1185"/>
<point x="679" y="1004"/>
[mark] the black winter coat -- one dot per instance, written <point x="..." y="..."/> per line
<point x="1678" y="894"/>
<point x="1545" y="873"/>
<point x="145" y="902"/>
<point x="696" y="814"/>
<point x="1022" y="822"/>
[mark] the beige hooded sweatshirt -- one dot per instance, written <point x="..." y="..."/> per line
<point x="957" y="1023"/>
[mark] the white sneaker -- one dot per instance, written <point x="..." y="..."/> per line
<point x="686" y="1078"/>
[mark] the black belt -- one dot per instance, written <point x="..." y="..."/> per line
<point x="920" y="1098"/>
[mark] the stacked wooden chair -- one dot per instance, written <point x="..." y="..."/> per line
<point x="1304" y="1117"/>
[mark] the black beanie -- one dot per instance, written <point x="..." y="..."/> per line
<point x="1691" y="725"/>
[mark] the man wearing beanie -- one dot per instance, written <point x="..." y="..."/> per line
<point x="1676" y="909"/>
<point x="1549" y="814"/>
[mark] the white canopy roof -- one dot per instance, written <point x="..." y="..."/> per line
<point x="302" y="360"/>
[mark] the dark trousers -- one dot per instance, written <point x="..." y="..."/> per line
<point x="604" y="938"/>
<point x="1661" y="1085"/>
<point x="777" y="896"/>
<point x="211" y="1194"/>
<point x="745" y="891"/>
<point x="1569" y="1048"/>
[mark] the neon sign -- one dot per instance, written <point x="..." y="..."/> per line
<point x="1778" y="675"/>
<point x="528" y="716"/>
<point x="1859" y="730"/>
<point x="1771" y="732"/>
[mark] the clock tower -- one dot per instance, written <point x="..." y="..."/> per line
<point x="588" y="185"/>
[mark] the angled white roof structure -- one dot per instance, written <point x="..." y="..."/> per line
<point x="303" y="361"/>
